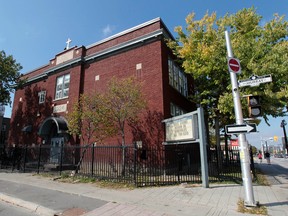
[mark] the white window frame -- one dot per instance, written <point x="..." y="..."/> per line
<point x="170" y="70"/>
<point x="176" y="110"/>
<point x="62" y="87"/>
<point x="42" y="97"/>
<point x="177" y="78"/>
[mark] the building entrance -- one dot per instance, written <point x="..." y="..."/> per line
<point x="56" y="149"/>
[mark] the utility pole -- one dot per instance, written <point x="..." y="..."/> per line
<point x="243" y="145"/>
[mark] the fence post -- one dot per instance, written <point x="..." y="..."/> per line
<point x="92" y="165"/>
<point x="123" y="161"/>
<point x="39" y="158"/>
<point x="134" y="168"/>
<point x="61" y="156"/>
<point x="13" y="158"/>
<point x="217" y="159"/>
<point x="226" y="148"/>
<point x="25" y="155"/>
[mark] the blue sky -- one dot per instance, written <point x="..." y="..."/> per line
<point x="34" y="31"/>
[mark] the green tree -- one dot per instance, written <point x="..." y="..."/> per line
<point x="9" y="77"/>
<point x="262" y="49"/>
<point x="125" y="102"/>
<point x="88" y="119"/>
<point x="100" y="115"/>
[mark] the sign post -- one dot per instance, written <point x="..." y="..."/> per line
<point x="243" y="145"/>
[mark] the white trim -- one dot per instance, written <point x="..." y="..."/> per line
<point x="125" y="44"/>
<point x="125" y="32"/>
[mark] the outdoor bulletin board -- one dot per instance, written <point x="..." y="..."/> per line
<point x="189" y="128"/>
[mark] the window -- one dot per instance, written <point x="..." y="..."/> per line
<point x="177" y="78"/>
<point x="62" y="87"/>
<point x="42" y="97"/>
<point x="176" y="110"/>
<point x="170" y="68"/>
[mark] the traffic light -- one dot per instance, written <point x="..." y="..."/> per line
<point x="254" y="106"/>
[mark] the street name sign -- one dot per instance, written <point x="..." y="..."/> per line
<point x="242" y="128"/>
<point x="255" y="80"/>
<point x="234" y="65"/>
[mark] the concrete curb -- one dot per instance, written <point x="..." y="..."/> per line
<point x="38" y="209"/>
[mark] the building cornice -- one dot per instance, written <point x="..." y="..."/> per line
<point x="62" y="66"/>
<point x="55" y="69"/>
<point x="125" y="45"/>
<point x="127" y="31"/>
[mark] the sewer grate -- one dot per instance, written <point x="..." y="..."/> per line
<point x="72" y="212"/>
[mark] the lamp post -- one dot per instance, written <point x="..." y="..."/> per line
<point x="283" y="124"/>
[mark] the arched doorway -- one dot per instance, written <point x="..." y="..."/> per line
<point x="54" y="131"/>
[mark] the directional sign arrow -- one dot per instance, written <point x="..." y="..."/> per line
<point x="243" y="128"/>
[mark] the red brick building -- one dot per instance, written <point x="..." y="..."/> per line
<point x="39" y="109"/>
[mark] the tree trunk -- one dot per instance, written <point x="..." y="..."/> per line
<point x="123" y="152"/>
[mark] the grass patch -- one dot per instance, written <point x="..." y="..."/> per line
<point x="114" y="185"/>
<point x="261" y="178"/>
<point x="259" y="210"/>
<point x="68" y="177"/>
<point x="45" y="175"/>
<point x="102" y="183"/>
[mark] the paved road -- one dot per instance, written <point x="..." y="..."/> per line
<point x="7" y="209"/>
<point x="50" y="197"/>
<point x="281" y="161"/>
<point x="277" y="172"/>
<point x="58" y="201"/>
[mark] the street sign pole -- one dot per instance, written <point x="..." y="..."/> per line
<point x="243" y="145"/>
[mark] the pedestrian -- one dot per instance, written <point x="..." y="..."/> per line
<point x="260" y="157"/>
<point x="267" y="155"/>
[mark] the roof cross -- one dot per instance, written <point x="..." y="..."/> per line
<point x="68" y="43"/>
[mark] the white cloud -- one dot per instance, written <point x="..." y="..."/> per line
<point x="108" y="30"/>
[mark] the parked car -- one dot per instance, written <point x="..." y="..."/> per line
<point x="278" y="155"/>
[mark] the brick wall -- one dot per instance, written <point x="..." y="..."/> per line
<point x="148" y="61"/>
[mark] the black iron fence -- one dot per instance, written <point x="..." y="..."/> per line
<point x="141" y="166"/>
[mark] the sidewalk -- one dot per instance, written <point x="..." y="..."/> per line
<point x="48" y="197"/>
